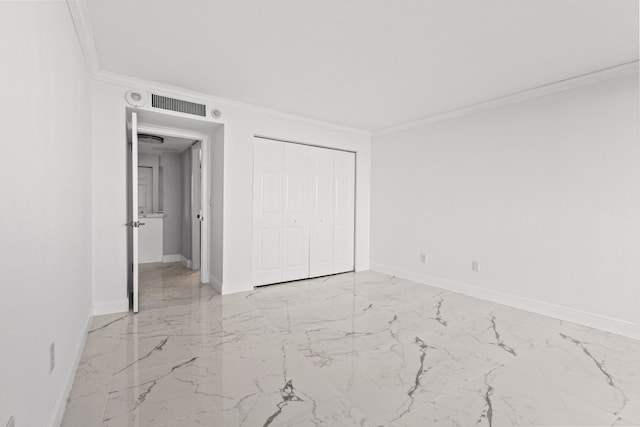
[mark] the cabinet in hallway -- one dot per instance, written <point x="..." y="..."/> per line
<point x="303" y="211"/>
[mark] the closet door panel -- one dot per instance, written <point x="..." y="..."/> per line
<point x="324" y="193"/>
<point x="267" y="211"/>
<point x="321" y="221"/>
<point x="269" y="249"/>
<point x="323" y="238"/>
<point x="296" y="212"/>
<point x="344" y="212"/>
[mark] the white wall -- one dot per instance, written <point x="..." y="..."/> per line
<point x="544" y="193"/>
<point x="45" y="182"/>
<point x="108" y="138"/>
<point x="172" y="177"/>
<point x="109" y="203"/>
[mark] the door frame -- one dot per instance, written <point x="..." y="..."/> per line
<point x="196" y="217"/>
<point x="205" y="189"/>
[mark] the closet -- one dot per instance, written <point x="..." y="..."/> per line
<point x="303" y="211"/>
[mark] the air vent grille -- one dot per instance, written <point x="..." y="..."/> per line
<point x="178" y="105"/>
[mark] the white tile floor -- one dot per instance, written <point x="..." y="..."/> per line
<point x="360" y="349"/>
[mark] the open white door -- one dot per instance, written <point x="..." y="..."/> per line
<point x="134" y="223"/>
<point x="196" y="205"/>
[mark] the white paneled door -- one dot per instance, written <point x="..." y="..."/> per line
<point x="295" y="221"/>
<point x="196" y="205"/>
<point x="267" y="211"/>
<point x="303" y="211"/>
<point x="344" y="211"/>
<point x="321" y="239"/>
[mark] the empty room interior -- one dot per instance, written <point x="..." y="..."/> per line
<point x="298" y="213"/>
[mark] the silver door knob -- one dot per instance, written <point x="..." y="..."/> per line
<point x="134" y="224"/>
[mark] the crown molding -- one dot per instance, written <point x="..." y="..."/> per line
<point x="80" y="17"/>
<point x="598" y="76"/>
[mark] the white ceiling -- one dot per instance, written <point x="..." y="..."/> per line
<point x="369" y="64"/>
<point x="171" y="145"/>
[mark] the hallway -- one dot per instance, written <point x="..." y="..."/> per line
<point x="164" y="285"/>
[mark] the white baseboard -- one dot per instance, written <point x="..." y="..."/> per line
<point x="149" y="260"/>
<point x="215" y="283"/>
<point x="593" y="320"/>
<point x="108" y="307"/>
<point x="61" y="402"/>
<point x="172" y="258"/>
<point x="186" y="262"/>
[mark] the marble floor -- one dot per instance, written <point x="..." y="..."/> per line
<point x="362" y="349"/>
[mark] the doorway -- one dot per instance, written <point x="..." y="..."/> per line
<point x="169" y="206"/>
<point x="169" y="178"/>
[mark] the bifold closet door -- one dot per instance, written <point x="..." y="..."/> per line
<point x="321" y="218"/>
<point x="268" y="187"/>
<point x="295" y="223"/>
<point x="303" y="211"/>
<point x="344" y="211"/>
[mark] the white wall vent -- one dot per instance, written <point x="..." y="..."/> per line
<point x="178" y="105"/>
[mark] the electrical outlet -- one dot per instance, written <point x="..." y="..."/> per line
<point x="52" y="357"/>
<point x="423" y="258"/>
<point x="475" y="266"/>
<point x="12" y="422"/>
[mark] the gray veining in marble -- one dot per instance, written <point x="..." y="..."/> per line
<point x="356" y="349"/>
